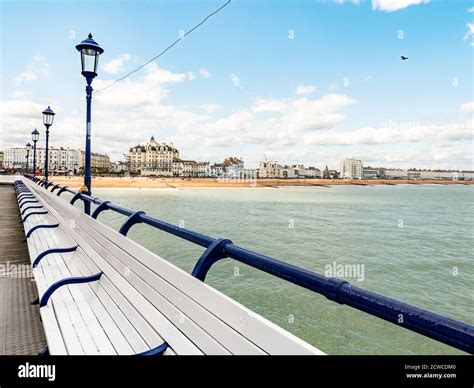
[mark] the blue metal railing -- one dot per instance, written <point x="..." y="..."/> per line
<point x="443" y="329"/>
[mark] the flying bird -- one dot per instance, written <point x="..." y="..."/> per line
<point x="403" y="58"/>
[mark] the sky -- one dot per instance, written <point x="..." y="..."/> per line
<point x="309" y="82"/>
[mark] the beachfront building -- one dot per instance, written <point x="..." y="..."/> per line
<point x="274" y="170"/>
<point x="351" y="168"/>
<point x="307" y="172"/>
<point x="395" y="173"/>
<point x="100" y="163"/>
<point x="373" y="172"/>
<point x="203" y="169"/>
<point x="190" y="168"/>
<point x="233" y="167"/>
<point x="153" y="158"/>
<point x="2" y="156"/>
<point x="217" y="170"/>
<point x="118" y="167"/>
<point x="61" y="160"/>
<point x="418" y="174"/>
<point x="270" y="169"/>
<point x="330" y="174"/>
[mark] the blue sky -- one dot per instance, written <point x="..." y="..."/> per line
<point x="300" y="81"/>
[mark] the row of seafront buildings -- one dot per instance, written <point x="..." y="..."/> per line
<point x="61" y="160"/>
<point x="272" y="169"/>
<point x="161" y="159"/>
<point x="352" y="168"/>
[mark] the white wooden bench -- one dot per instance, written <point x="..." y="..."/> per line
<point x="140" y="302"/>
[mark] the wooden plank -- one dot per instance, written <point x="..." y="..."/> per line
<point x="65" y="265"/>
<point x="56" y="306"/>
<point x="51" y="329"/>
<point x="213" y="327"/>
<point x="179" y="318"/>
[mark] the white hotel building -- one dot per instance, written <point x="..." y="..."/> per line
<point x="351" y="168"/>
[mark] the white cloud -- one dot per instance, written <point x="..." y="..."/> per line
<point x="394" y="5"/>
<point x="263" y="105"/>
<point x="33" y="71"/>
<point x="302" y="90"/>
<point x="210" y="108"/>
<point x="18" y="119"/>
<point x="394" y="134"/>
<point x="21" y="109"/>
<point x="283" y="124"/>
<point x="467" y="107"/>
<point x="470" y="10"/>
<point x="295" y="129"/>
<point x="190" y="75"/>
<point x="116" y="65"/>
<point x="470" y="31"/>
<point x="205" y="73"/>
<point x="134" y="92"/>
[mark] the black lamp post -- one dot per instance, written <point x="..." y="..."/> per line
<point x="90" y="52"/>
<point x="48" y="117"/>
<point x="28" y="149"/>
<point x="34" y="137"/>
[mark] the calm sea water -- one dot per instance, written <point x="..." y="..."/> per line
<point x="410" y="239"/>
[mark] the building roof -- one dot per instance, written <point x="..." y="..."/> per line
<point x="232" y="160"/>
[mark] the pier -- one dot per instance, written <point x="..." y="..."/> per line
<point x="21" y="331"/>
<point x="101" y="293"/>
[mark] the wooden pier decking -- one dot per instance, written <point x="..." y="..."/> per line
<point x="21" y="331"/>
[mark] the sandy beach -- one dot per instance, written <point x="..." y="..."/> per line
<point x="179" y="183"/>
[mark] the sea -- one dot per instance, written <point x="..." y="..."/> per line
<point x="413" y="243"/>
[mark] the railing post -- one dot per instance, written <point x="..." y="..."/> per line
<point x="213" y="253"/>
<point x="132" y="220"/>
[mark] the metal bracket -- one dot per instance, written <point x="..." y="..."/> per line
<point x="103" y="206"/>
<point x="132" y="220"/>
<point x="213" y="253"/>
<point x="55" y="187"/>
<point x="24" y="194"/>
<point x="44" y="352"/>
<point x="30" y="214"/>
<point x="28" y="200"/>
<point x="31" y="207"/>
<point x="75" y="198"/>
<point x="61" y="190"/>
<point x="158" y="351"/>
<point x="39" y="227"/>
<point x="53" y="250"/>
<point x="72" y="280"/>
